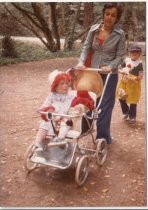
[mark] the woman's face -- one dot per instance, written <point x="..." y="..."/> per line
<point x="63" y="87"/>
<point x="110" y="17"/>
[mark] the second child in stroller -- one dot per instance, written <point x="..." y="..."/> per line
<point x="61" y="100"/>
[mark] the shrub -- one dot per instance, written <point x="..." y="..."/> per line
<point x="32" y="52"/>
<point x="8" y="47"/>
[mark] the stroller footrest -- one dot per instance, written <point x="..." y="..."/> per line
<point x="60" y="143"/>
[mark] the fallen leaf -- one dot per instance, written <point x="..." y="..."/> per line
<point x="102" y="196"/>
<point x="3" y="161"/>
<point x="85" y="189"/>
<point x="10" y="192"/>
<point x="123" y="190"/>
<point x="107" y="176"/>
<point x="105" y="190"/>
<point x="109" y="168"/>
<point x="93" y="183"/>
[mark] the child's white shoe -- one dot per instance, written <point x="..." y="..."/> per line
<point x="125" y="117"/>
<point x="132" y="120"/>
<point x="38" y="148"/>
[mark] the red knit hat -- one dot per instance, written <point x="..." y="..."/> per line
<point x="55" y="77"/>
<point x="84" y="98"/>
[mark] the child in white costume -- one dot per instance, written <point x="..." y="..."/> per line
<point x="129" y="87"/>
<point x="59" y="101"/>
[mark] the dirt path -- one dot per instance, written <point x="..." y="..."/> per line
<point x="120" y="182"/>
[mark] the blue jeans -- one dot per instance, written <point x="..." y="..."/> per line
<point x="107" y="104"/>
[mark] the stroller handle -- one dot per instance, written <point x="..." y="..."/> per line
<point x="96" y="70"/>
<point x="99" y="70"/>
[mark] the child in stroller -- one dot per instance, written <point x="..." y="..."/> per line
<point x="58" y="101"/>
<point x="74" y="106"/>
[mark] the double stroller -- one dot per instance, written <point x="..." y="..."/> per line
<point x="79" y="147"/>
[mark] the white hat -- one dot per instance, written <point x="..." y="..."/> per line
<point x="53" y="75"/>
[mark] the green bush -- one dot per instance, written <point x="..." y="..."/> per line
<point x="31" y="52"/>
<point x="8" y="47"/>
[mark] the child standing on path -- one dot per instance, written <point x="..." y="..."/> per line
<point x="129" y="87"/>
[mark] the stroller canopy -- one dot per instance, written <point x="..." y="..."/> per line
<point x="88" y="80"/>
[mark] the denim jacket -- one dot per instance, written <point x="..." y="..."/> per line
<point x="111" y="53"/>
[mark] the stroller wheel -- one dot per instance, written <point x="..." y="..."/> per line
<point x="82" y="170"/>
<point x="29" y="165"/>
<point x="101" y="151"/>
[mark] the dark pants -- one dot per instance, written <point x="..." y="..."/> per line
<point x="107" y="104"/>
<point x="130" y="109"/>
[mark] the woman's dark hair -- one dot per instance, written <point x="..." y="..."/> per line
<point x="115" y="5"/>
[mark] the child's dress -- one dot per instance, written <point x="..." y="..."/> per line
<point x="60" y="102"/>
<point x="132" y="88"/>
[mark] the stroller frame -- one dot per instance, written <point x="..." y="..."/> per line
<point x="63" y="154"/>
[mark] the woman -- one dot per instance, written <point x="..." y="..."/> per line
<point x="105" y="43"/>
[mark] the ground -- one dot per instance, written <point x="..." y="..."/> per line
<point x="119" y="182"/>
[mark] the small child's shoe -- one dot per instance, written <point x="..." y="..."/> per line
<point x="132" y="120"/>
<point x="38" y="149"/>
<point x="125" y="117"/>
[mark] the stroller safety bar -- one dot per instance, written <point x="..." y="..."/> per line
<point x="50" y="114"/>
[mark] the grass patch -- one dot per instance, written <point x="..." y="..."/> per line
<point x="31" y="52"/>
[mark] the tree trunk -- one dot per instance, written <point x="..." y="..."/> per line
<point x="88" y="14"/>
<point x="35" y="22"/>
<point x="54" y="24"/>
<point x="69" y="40"/>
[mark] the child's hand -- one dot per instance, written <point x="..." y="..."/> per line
<point x="125" y="78"/>
<point x="124" y="70"/>
<point x="46" y="109"/>
<point x="44" y="117"/>
<point x="122" y="94"/>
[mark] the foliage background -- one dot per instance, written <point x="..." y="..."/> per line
<point x="51" y="22"/>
